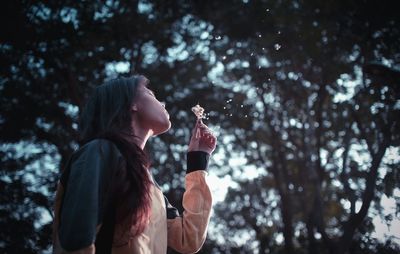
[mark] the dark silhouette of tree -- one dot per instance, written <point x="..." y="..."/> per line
<point x="312" y="52"/>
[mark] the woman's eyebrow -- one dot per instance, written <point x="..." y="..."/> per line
<point x="147" y="85"/>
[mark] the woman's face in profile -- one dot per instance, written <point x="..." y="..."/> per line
<point x="151" y="113"/>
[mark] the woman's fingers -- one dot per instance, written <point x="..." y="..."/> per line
<point x="206" y="133"/>
<point x="209" y="136"/>
<point x="204" y="128"/>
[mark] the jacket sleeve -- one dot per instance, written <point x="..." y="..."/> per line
<point x="187" y="233"/>
<point x="86" y="187"/>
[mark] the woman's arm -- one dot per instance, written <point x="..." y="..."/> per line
<point x="187" y="232"/>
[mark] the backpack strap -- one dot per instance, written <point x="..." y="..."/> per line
<point x="105" y="236"/>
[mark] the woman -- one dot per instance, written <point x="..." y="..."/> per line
<point x="107" y="200"/>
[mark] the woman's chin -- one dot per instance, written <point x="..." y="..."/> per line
<point x="168" y="126"/>
<point x="164" y="128"/>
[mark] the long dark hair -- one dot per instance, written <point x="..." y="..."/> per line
<point x="107" y="115"/>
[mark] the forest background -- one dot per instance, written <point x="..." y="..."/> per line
<point x="303" y="95"/>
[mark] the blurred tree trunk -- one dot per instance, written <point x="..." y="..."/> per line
<point x="356" y="218"/>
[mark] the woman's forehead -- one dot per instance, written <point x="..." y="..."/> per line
<point x="144" y="82"/>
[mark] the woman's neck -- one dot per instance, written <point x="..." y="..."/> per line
<point x="140" y="137"/>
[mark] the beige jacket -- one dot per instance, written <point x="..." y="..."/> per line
<point x="185" y="233"/>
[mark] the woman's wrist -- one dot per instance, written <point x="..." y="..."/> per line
<point x="196" y="160"/>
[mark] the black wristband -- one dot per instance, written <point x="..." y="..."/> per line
<point x="197" y="160"/>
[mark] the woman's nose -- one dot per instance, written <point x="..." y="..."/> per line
<point x="163" y="104"/>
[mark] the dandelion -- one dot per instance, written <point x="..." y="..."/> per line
<point x="198" y="111"/>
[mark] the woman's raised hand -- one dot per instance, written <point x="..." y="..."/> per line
<point x="203" y="139"/>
